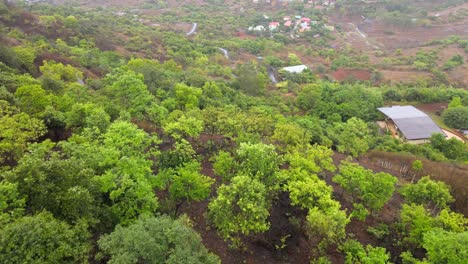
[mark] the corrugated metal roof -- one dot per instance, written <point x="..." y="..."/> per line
<point x="413" y="123"/>
<point x="295" y="69"/>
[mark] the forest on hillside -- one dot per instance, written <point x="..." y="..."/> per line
<point x="170" y="132"/>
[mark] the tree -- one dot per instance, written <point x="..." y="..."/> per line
<point x="456" y="117"/>
<point x="16" y="131"/>
<point x="26" y="56"/>
<point x="416" y="221"/>
<point x="308" y="191"/>
<point x="433" y="194"/>
<point x="189" y="185"/>
<point x="11" y="203"/>
<point x="128" y="179"/>
<point x="374" y="190"/>
<point x="87" y="116"/>
<point x="240" y="208"/>
<point x="309" y="96"/>
<point x="417" y="167"/>
<point x="70" y="22"/>
<point x="121" y="167"/>
<point x="329" y="224"/>
<point x="250" y="81"/>
<point x="313" y="159"/>
<point x="223" y="165"/>
<point x="289" y="135"/>
<point x="293" y="59"/>
<point x="32" y="99"/>
<point x="260" y="161"/>
<point x="49" y="181"/>
<point x="351" y="137"/>
<point x="451" y="221"/>
<point x="127" y="91"/>
<point x="187" y="97"/>
<point x="129" y="186"/>
<point x="157" y="77"/>
<point x="59" y="72"/>
<point x="356" y="253"/>
<point x="181" y="125"/>
<point x="446" y="247"/>
<point x="156" y="240"/>
<point x="43" y="239"/>
<point x="455" y="102"/>
<point x="451" y="148"/>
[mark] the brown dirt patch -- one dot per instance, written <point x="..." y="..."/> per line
<point x="435" y="108"/>
<point x="344" y="74"/>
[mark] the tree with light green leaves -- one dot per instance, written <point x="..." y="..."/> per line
<point x="308" y="191"/>
<point x="416" y="221"/>
<point x="290" y="135"/>
<point x="188" y="184"/>
<point x="240" y="208"/>
<point x="127" y="91"/>
<point x="260" y="161"/>
<point x="351" y="137"/>
<point x="432" y="194"/>
<point x="224" y="165"/>
<point x="313" y="159"/>
<point x="330" y="225"/>
<point x="12" y="203"/>
<point x="32" y="99"/>
<point x="373" y="190"/>
<point x="357" y="253"/>
<point x="446" y="247"/>
<point x="17" y="129"/>
<point x="187" y="97"/>
<point x="87" y="116"/>
<point x="183" y="125"/>
<point x="128" y="178"/>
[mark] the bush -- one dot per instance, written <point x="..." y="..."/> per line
<point x="456" y="117"/>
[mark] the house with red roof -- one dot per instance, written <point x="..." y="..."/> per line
<point x="273" y="25"/>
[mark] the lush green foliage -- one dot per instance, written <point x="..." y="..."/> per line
<point x="43" y="239"/>
<point x="240" y="207"/>
<point x="155" y="240"/>
<point x="456" y="117"/>
<point x="356" y="253"/>
<point x="113" y="120"/>
<point x="373" y="190"/>
<point x="427" y="192"/>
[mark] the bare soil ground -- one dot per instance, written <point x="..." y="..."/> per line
<point x="344" y="74"/>
<point x="395" y="76"/>
<point x="370" y="36"/>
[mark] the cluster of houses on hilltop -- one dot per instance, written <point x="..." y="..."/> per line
<point x="310" y="3"/>
<point x="289" y="24"/>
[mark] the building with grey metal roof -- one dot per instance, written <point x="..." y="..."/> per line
<point x="413" y="124"/>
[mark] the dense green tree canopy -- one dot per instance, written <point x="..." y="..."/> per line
<point x="374" y="190"/>
<point x="240" y="207"/>
<point x="428" y="192"/>
<point x="43" y="239"/>
<point x="16" y="131"/>
<point x="155" y="240"/>
<point x="114" y="122"/>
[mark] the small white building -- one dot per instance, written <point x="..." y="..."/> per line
<point x="295" y="69"/>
